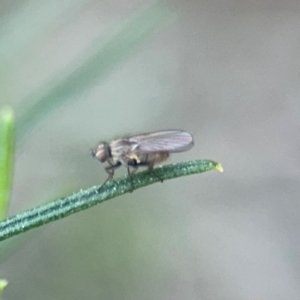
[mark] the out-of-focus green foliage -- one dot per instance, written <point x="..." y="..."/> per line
<point x="94" y="64"/>
<point x="3" y="284"/>
<point x="7" y="141"/>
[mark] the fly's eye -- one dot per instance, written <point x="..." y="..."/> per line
<point x="101" y="152"/>
<point x="102" y="157"/>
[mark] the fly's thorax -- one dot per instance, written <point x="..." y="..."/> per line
<point x="120" y="149"/>
<point x="102" y="152"/>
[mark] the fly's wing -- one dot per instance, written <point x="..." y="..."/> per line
<point x="162" y="141"/>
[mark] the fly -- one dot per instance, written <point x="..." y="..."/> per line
<point x="144" y="150"/>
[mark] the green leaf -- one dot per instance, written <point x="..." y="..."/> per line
<point x="7" y="141"/>
<point x="87" y="198"/>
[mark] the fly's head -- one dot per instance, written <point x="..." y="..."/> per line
<point x="102" y="152"/>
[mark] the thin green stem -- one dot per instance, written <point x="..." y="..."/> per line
<point x="97" y="194"/>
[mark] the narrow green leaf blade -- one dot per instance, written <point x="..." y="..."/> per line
<point x="85" y="199"/>
<point x="7" y="141"/>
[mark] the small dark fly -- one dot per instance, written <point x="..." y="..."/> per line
<point x="144" y="150"/>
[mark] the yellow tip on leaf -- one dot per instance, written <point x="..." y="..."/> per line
<point x="219" y="168"/>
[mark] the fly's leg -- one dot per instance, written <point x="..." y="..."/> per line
<point x="134" y="164"/>
<point x="129" y="175"/>
<point x="110" y="170"/>
<point x="156" y="175"/>
<point x="150" y="166"/>
<point x="151" y="170"/>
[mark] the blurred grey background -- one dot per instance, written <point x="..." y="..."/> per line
<point x="225" y="71"/>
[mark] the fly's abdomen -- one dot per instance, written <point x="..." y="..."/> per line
<point x="152" y="159"/>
